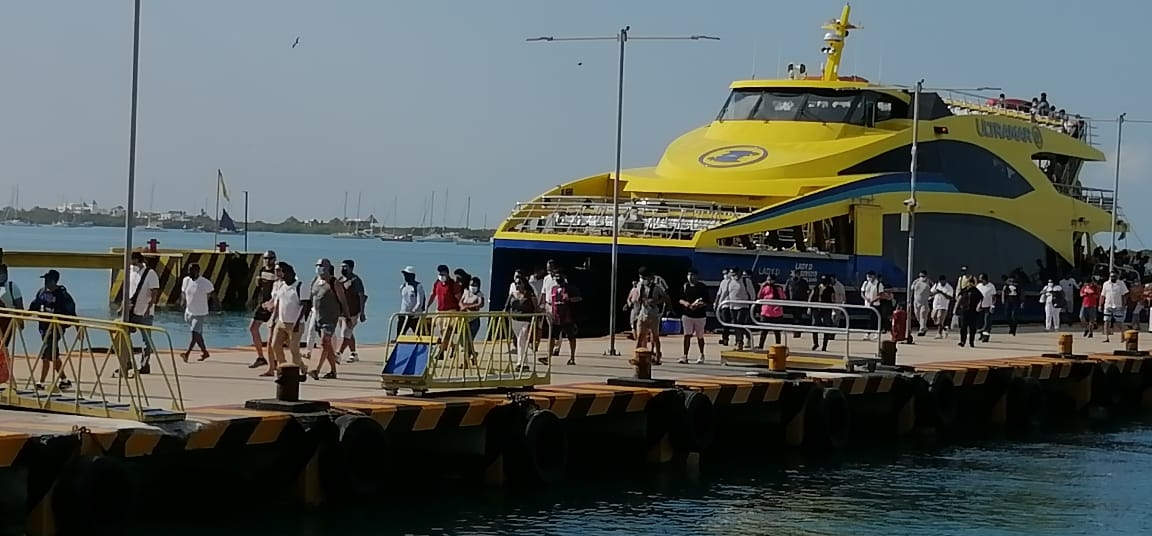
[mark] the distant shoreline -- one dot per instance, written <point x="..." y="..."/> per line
<point x="49" y="217"/>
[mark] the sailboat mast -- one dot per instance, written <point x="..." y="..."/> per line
<point x="395" y="217"/>
<point x="445" y="227"/>
<point x="468" y="214"/>
<point x="358" y="196"/>
<point x="432" y="212"/>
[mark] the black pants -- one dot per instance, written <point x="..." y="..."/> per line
<point x="1010" y="312"/>
<point x="822" y="318"/>
<point x="969" y="324"/>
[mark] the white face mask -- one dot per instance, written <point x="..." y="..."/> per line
<point x="442" y="278"/>
<point x="319" y="270"/>
<point x="474" y="289"/>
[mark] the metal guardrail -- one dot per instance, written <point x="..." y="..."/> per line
<point x="464" y="350"/>
<point x="71" y="341"/>
<point x="844" y="329"/>
<point x="588" y="215"/>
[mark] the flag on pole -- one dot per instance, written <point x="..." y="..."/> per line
<point x="223" y="189"/>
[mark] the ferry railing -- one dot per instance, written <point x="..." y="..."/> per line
<point x="637" y="217"/>
<point x="464" y="350"/>
<point x="980" y="106"/>
<point x="843" y="327"/>
<point x="77" y="343"/>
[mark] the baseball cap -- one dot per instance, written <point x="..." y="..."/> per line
<point x="51" y="274"/>
<point x="270" y="254"/>
<point x="323" y="262"/>
<point x="409" y="270"/>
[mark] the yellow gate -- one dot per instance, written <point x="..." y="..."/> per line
<point x="80" y="355"/>
<point x="464" y="350"/>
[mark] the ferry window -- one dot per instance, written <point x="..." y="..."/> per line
<point x="792" y="104"/>
<point x="970" y="168"/>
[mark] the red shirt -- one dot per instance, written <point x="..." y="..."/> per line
<point x="1090" y="295"/>
<point x="447" y="295"/>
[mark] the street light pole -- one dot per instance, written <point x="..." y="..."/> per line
<point x="130" y="206"/>
<point x="911" y="204"/>
<point x="1115" y="191"/>
<point x="622" y="39"/>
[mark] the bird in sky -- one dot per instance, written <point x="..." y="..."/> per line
<point x="579" y="63"/>
<point x="297" y="42"/>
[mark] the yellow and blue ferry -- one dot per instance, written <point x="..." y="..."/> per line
<point x="811" y="173"/>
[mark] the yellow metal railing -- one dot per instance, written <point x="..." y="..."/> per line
<point x="464" y="350"/>
<point x="81" y="350"/>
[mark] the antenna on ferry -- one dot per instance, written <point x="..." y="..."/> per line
<point x="834" y="43"/>
<point x="755" y="54"/>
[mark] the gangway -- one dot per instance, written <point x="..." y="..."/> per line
<point x="87" y="348"/>
<point x="464" y="350"/>
<point x="843" y="327"/>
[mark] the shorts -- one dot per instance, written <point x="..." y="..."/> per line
<point x="261" y="314"/>
<point x="326" y="327"/>
<point x="566" y="330"/>
<point x="196" y="322"/>
<point x="1087" y="314"/>
<point x="693" y="326"/>
<point x="350" y="325"/>
<point x="1115" y="314"/>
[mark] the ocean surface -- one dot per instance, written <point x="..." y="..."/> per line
<point x="1071" y="483"/>
<point x="378" y="263"/>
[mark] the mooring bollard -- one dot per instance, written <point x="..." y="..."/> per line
<point x="888" y="353"/>
<point x="641" y="364"/>
<point x="1064" y="344"/>
<point x="1131" y="340"/>
<point x="778" y="358"/>
<point x="288" y="383"/>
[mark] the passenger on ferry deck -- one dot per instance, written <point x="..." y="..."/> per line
<point x="1000" y="101"/>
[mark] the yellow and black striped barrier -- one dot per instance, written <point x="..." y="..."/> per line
<point x="65" y="371"/>
<point x="234" y="274"/>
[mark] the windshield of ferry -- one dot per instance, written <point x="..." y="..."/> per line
<point x="801" y="104"/>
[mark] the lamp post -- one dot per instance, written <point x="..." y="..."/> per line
<point x="622" y="37"/>
<point x="130" y="205"/>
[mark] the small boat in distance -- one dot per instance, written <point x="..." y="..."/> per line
<point x="436" y="237"/>
<point x="394" y="238"/>
<point x="473" y="242"/>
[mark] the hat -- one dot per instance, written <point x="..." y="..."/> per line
<point x="269" y="254"/>
<point x="409" y="270"/>
<point x="51" y="274"/>
<point x="323" y="262"/>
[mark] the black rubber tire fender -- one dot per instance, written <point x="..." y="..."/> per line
<point x="545" y="447"/>
<point x="697" y="426"/>
<point x="355" y="461"/>
<point x="837" y="417"/>
<point x="944" y="401"/>
<point x="94" y="495"/>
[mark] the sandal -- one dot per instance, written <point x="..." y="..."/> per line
<point x="184" y="356"/>
<point x="267" y="373"/>
<point x="571" y="361"/>
<point x="203" y="356"/>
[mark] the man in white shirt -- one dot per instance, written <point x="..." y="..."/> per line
<point x="1071" y="290"/>
<point x="922" y="301"/>
<point x="1113" y="296"/>
<point x="291" y="302"/>
<point x="871" y="291"/>
<point x="987" y="305"/>
<point x="144" y="289"/>
<point x="942" y="295"/>
<point x="194" y="293"/>
<point x="413" y="300"/>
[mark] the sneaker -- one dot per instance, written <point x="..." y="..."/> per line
<point x="938" y="336"/>
<point x="329" y="376"/>
<point x="260" y="362"/>
<point x="146" y="369"/>
<point x="353" y="358"/>
<point x="39" y="387"/>
<point x="64" y="383"/>
<point x="683" y="360"/>
<point x="700" y="361"/>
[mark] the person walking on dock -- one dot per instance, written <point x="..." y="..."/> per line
<point x="922" y="301"/>
<point x="329" y="306"/>
<point x="1010" y="297"/>
<point x="562" y="317"/>
<point x="10" y="298"/>
<point x="291" y="303"/>
<point x="412" y="302"/>
<point x="262" y="306"/>
<point x="1113" y="294"/>
<point x="52" y="298"/>
<point x="772" y="314"/>
<point x="357" y="303"/>
<point x="522" y="302"/>
<point x="942" y="296"/>
<point x="1089" y="304"/>
<point x="987" y="305"/>
<point x="732" y="289"/>
<point x="968" y="302"/>
<point x="872" y="291"/>
<point x="1052" y="296"/>
<point x="694" y="302"/>
<point x="145" y="294"/>
<point x="649" y="305"/>
<point x="194" y="292"/>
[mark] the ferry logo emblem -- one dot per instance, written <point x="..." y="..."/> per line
<point x="733" y="156"/>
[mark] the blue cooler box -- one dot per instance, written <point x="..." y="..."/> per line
<point x="670" y="326"/>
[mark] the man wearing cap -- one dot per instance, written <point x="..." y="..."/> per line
<point x="53" y="298"/>
<point x="144" y="285"/>
<point x="329" y="305"/>
<point x="262" y="306"/>
<point x="357" y="299"/>
<point x="412" y="301"/>
<point x="311" y="326"/>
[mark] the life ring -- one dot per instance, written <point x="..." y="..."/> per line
<point x="697" y="424"/>
<point x="1025" y="404"/>
<point x="544" y="447"/>
<point x="94" y="495"/>
<point x="355" y="461"/>
<point x="827" y="419"/>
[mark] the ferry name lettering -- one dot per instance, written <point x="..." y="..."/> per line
<point x="1004" y="131"/>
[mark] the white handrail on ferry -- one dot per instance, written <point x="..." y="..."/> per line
<point x="842" y="308"/>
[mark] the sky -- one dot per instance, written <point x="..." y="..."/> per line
<point x="394" y="99"/>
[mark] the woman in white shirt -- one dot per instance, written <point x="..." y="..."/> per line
<point x="291" y="302"/>
<point x="1048" y="296"/>
<point x="472" y="301"/>
<point x="194" y="293"/>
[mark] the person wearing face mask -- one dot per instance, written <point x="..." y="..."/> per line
<point x="357" y="301"/>
<point x="1113" y="300"/>
<point x="10" y="298"/>
<point x="329" y="305"/>
<point x="322" y="265"/>
<point x="872" y="291"/>
<point x="561" y="317"/>
<point x="262" y="306"/>
<point x="412" y="302"/>
<point x="694" y="303"/>
<point x="922" y="301"/>
<point x="649" y="306"/>
<point x="472" y="301"/>
<point x="446" y="292"/>
<point x="1052" y="296"/>
<point x="733" y="289"/>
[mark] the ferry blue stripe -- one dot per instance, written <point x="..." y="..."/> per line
<point x="880" y="184"/>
